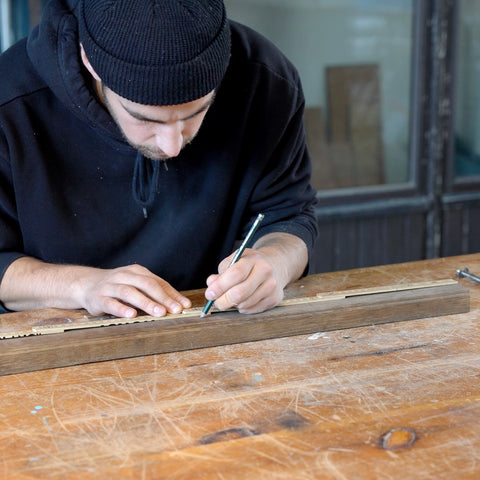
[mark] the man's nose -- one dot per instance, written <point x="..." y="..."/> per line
<point x="169" y="139"/>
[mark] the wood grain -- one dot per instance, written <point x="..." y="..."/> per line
<point x="399" y="400"/>
<point x="177" y="333"/>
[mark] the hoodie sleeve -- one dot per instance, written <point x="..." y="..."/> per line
<point x="279" y="156"/>
<point x="284" y="191"/>
<point x="10" y="234"/>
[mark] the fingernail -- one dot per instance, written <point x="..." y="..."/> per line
<point x="158" y="312"/>
<point x="210" y="295"/>
<point x="175" y="308"/>
<point x="130" y="313"/>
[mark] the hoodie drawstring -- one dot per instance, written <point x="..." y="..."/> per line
<point x="145" y="181"/>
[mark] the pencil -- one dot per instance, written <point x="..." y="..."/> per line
<point x="239" y="253"/>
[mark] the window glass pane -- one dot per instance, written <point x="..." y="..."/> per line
<point x="354" y="58"/>
<point x="467" y="111"/>
<point x="6" y="33"/>
<point x="17" y="17"/>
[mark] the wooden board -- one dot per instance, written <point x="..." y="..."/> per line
<point x="177" y="333"/>
<point x="354" y="124"/>
<point x="324" y="171"/>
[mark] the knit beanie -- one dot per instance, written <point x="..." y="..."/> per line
<point x="156" y="52"/>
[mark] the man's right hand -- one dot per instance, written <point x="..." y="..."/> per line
<point x="31" y="284"/>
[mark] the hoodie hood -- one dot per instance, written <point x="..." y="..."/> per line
<point x="53" y="49"/>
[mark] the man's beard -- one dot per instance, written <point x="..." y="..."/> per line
<point x="147" y="152"/>
<point x="151" y="153"/>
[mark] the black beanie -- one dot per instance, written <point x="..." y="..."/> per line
<point x="156" y="52"/>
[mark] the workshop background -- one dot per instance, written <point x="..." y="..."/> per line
<point x="392" y="115"/>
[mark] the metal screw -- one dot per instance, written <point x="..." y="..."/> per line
<point x="465" y="273"/>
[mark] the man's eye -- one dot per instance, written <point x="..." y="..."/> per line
<point x="142" y="121"/>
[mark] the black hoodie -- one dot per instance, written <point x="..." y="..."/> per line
<point x="72" y="191"/>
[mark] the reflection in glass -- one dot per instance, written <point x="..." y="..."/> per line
<point x="354" y="58"/>
<point x="17" y="17"/>
<point x="467" y="117"/>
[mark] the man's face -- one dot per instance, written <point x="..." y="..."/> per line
<point x="157" y="132"/>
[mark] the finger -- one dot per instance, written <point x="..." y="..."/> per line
<point x="212" y="278"/>
<point x="176" y="296"/>
<point x="153" y="295"/>
<point x="259" y="302"/>
<point x="263" y="305"/>
<point x="111" y="306"/>
<point x="152" y="286"/>
<point x="249" y="297"/>
<point x="226" y="263"/>
<point x="245" y="293"/>
<point x="233" y="277"/>
<point x="235" y="296"/>
<point x="130" y="295"/>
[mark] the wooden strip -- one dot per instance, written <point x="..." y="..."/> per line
<point x="189" y="332"/>
<point x="45" y="329"/>
<point x="384" y="289"/>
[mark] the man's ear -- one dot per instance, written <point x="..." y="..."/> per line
<point x="87" y="64"/>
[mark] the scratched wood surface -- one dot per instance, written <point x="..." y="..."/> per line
<point x="398" y="400"/>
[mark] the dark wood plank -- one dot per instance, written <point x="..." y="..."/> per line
<point x="176" y="334"/>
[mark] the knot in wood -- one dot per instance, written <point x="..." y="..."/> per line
<point x="398" y="438"/>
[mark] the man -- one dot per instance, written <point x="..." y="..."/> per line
<point x="138" y="141"/>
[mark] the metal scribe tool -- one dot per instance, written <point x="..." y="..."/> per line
<point x="466" y="273"/>
<point x="239" y="253"/>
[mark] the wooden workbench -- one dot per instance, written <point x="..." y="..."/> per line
<point x="392" y="401"/>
